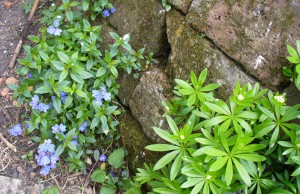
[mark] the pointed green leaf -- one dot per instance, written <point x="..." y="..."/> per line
<point x="161" y="147"/>
<point x="213" y="151"/>
<point x="242" y="172"/>
<point x="218" y="164"/>
<point x="176" y="166"/>
<point x="165" y="160"/>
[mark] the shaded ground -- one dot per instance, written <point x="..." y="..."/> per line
<point x="12" y="22"/>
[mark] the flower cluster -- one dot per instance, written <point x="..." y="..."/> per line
<point x="46" y="157"/>
<point x="280" y="98"/>
<point x="39" y="106"/>
<point x="100" y="95"/>
<point x="106" y="13"/>
<point x="59" y="128"/>
<point x="54" y="29"/>
<point x="16" y="130"/>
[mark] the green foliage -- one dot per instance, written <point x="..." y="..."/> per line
<point x="65" y="70"/>
<point x="116" y="158"/>
<point x="52" y="190"/>
<point x="98" y="176"/>
<point x="294" y="71"/>
<point x="166" y="5"/>
<point x="249" y="143"/>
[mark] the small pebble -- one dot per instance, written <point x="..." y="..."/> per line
<point x="11" y="80"/>
<point x="32" y="175"/>
<point x="16" y="158"/>
<point x="20" y="169"/>
<point x="4" y="91"/>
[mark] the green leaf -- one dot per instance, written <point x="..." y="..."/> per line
<point x="296" y="172"/>
<point x="85" y="5"/>
<point x="172" y="125"/>
<point x="69" y="15"/>
<point x="217" y="108"/>
<point x="213" y="151"/>
<point x="34" y="39"/>
<point x="209" y="87"/>
<point x="161" y="147"/>
<point x="68" y="102"/>
<point x="81" y="93"/>
<point x="72" y="146"/>
<point x="165" y="135"/>
<point x="52" y="190"/>
<point x="43" y="90"/>
<point x="12" y="87"/>
<point x="165" y="160"/>
<point x="107" y="190"/>
<point x="101" y="71"/>
<point x="57" y="104"/>
<point x="95" y="122"/>
<point x="176" y="166"/>
<point x="63" y="57"/>
<point x="183" y="84"/>
<point x="58" y="65"/>
<point x="242" y="172"/>
<point x="292" y="52"/>
<point x="202" y="77"/>
<point x="116" y="158"/>
<point x="98" y="176"/>
<point x="218" y="164"/>
<point x="63" y="75"/>
<point x="59" y="150"/>
<point x="229" y="172"/>
<point x="251" y="157"/>
<point x="44" y="55"/>
<point x="191" y="100"/>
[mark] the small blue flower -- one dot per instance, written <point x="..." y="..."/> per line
<point x="29" y="76"/>
<point x="63" y="99"/>
<point x="56" y="23"/>
<point x="45" y="170"/>
<point x="45" y="161"/>
<point x="83" y="126"/>
<point x="74" y="142"/>
<point x="52" y="97"/>
<point x="16" y="130"/>
<point x="102" y="158"/>
<point x="51" y="30"/>
<point x="43" y="107"/>
<point x="62" y="93"/>
<point x="105" y="13"/>
<point x="112" y="10"/>
<point x="34" y="102"/>
<point x="57" y="32"/>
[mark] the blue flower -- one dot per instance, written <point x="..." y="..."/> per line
<point x="52" y="97"/>
<point x="98" y="97"/>
<point x="16" y="130"/>
<point x="57" y="32"/>
<point x="58" y="128"/>
<point x="74" y="142"/>
<point x="63" y="99"/>
<point x="83" y="126"/>
<point x="45" y="170"/>
<point x="102" y="158"/>
<point x="112" y="10"/>
<point x="34" y="102"/>
<point x="62" y="93"/>
<point x="45" y="160"/>
<point x="56" y="23"/>
<point x="105" y="13"/>
<point x="51" y="30"/>
<point x="29" y="76"/>
<point x="43" y="107"/>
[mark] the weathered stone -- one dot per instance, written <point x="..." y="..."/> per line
<point x="182" y="5"/>
<point x="127" y="84"/>
<point x="252" y="32"/>
<point x="145" y="103"/>
<point x="17" y="186"/>
<point x="192" y="52"/>
<point x="144" y="20"/>
<point x="135" y="141"/>
<point x="292" y="95"/>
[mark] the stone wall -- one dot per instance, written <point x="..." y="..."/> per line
<point x="237" y="40"/>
